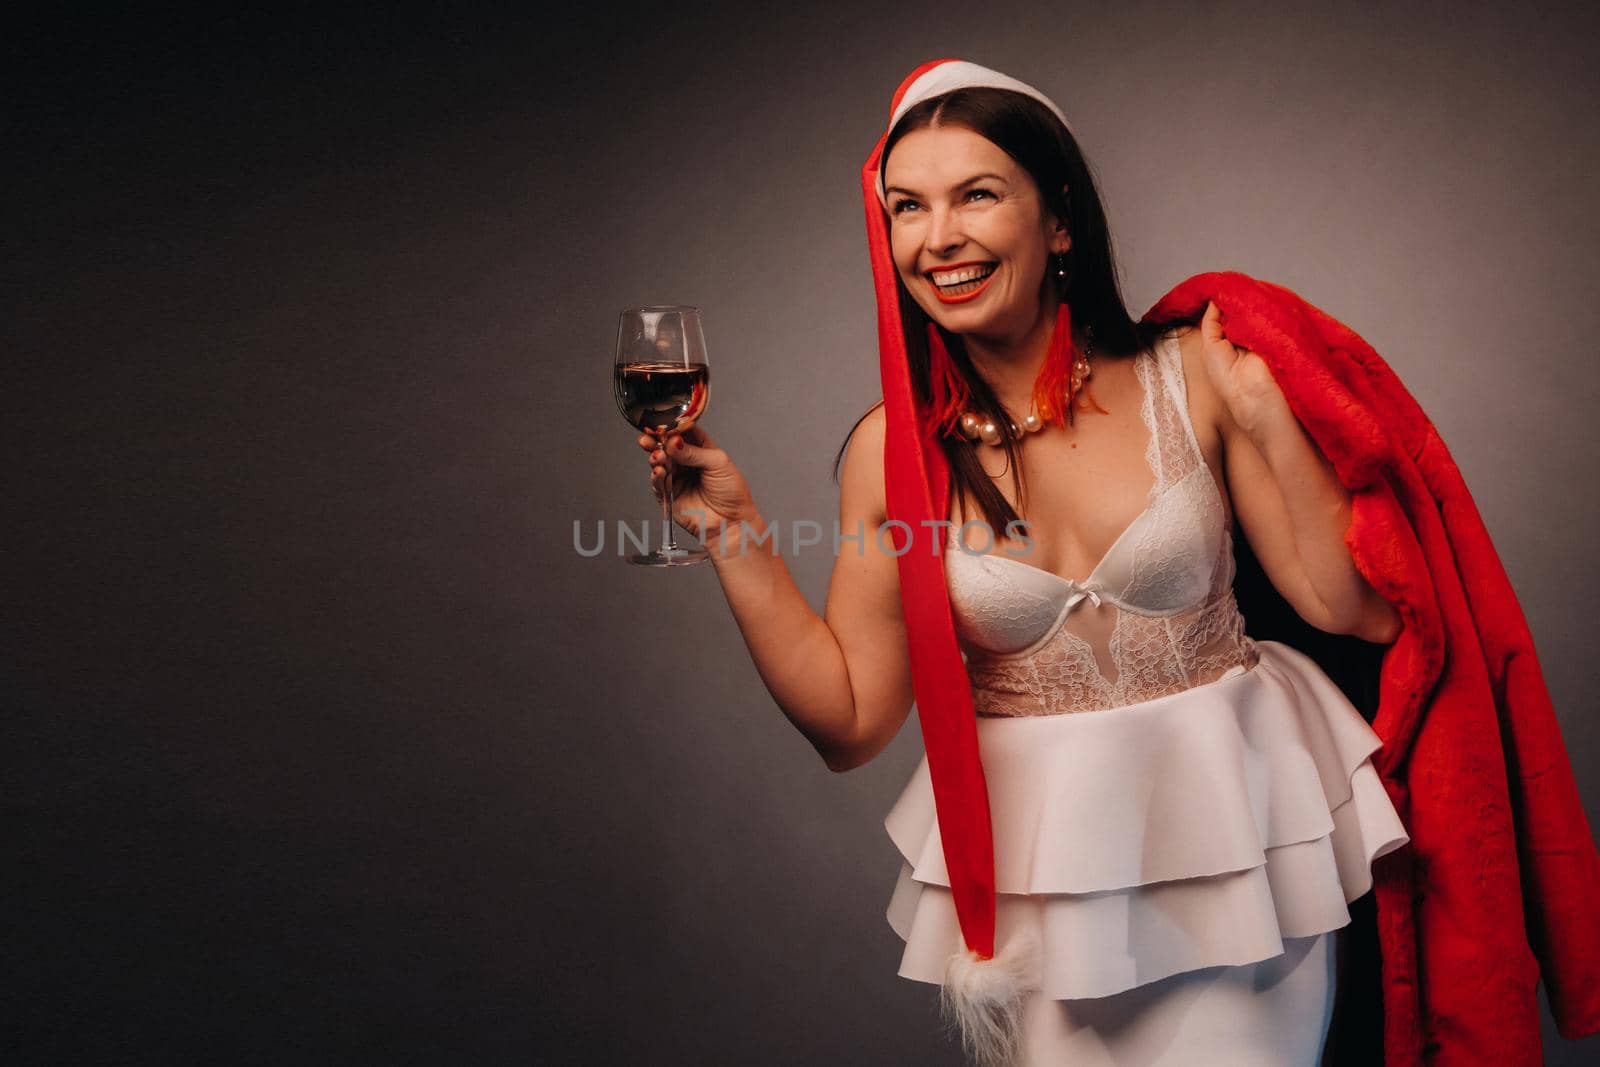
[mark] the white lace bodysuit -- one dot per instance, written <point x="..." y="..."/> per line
<point x="1157" y="615"/>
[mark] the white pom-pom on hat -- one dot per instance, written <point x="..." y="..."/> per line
<point x="984" y="1000"/>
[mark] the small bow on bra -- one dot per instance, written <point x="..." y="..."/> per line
<point x="1078" y="593"/>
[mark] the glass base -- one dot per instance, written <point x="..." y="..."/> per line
<point x="671" y="557"/>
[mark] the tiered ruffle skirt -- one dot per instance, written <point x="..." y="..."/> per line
<point x="1199" y="829"/>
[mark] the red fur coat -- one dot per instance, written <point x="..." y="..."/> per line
<point x="1500" y="884"/>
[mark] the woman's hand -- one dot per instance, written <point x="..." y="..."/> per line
<point x="1240" y="377"/>
<point x="708" y="492"/>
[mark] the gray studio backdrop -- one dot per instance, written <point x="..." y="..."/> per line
<point x="357" y="759"/>
<point x="1422" y="175"/>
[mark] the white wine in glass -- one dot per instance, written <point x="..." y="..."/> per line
<point x="662" y="381"/>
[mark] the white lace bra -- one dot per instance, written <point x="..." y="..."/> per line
<point x="1156" y="615"/>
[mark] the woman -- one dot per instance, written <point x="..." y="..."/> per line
<point x="1170" y="866"/>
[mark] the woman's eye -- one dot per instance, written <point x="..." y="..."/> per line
<point x="905" y="203"/>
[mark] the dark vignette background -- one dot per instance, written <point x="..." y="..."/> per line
<point x="327" y="745"/>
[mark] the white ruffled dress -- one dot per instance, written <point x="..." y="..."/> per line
<point x="1177" y="833"/>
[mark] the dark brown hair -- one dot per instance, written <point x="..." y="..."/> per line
<point x="1029" y="133"/>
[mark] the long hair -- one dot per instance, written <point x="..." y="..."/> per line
<point x="1029" y="133"/>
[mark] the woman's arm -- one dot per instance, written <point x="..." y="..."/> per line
<point x="843" y="681"/>
<point x="1291" y="505"/>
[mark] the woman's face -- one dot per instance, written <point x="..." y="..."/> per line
<point x="969" y="232"/>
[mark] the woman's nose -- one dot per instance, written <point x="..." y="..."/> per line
<point x="944" y="234"/>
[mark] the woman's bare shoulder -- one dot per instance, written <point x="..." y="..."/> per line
<point x="1203" y="399"/>
<point x="861" y="482"/>
<point x="868" y="433"/>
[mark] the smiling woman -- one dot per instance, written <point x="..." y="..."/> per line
<point x="995" y="221"/>
<point x="996" y="276"/>
<point x="1138" y="828"/>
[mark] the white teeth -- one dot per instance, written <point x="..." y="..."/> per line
<point x="965" y="274"/>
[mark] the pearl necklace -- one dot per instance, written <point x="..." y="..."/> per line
<point x="975" y="427"/>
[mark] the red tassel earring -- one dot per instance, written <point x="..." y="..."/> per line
<point x="1055" y="390"/>
<point x="1064" y="371"/>
<point x="1056" y="386"/>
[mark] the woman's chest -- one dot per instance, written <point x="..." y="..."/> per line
<point x="1125" y="507"/>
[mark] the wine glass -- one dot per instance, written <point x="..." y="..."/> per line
<point x="662" y="384"/>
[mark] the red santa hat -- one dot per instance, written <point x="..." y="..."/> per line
<point x="982" y="992"/>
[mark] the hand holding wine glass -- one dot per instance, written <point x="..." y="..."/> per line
<point x="709" y="493"/>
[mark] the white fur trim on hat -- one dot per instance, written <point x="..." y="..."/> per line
<point x="959" y="74"/>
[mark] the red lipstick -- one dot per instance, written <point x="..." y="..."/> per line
<point x="964" y="297"/>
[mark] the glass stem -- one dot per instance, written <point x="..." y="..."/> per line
<point x="666" y="496"/>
